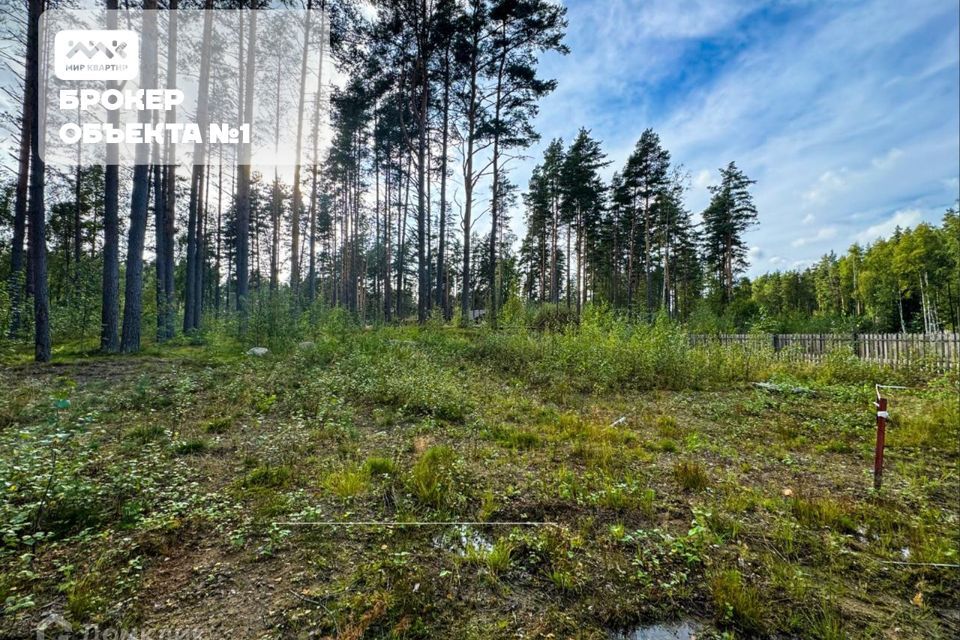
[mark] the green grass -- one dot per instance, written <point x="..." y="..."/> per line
<point x="738" y="602"/>
<point x="268" y="477"/>
<point x="347" y="483"/>
<point x="432" y="477"/>
<point x="690" y="475"/>
<point x="194" y="446"/>
<point x="662" y="484"/>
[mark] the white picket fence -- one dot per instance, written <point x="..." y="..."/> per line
<point x="940" y="351"/>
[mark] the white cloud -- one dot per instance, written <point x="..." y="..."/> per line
<point x="704" y="179"/>
<point x="887" y="160"/>
<point x="828" y="183"/>
<point x="902" y="218"/>
<point x="822" y="234"/>
<point x="696" y="18"/>
<point x="844" y="113"/>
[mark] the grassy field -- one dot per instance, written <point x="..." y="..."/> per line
<point x="198" y="488"/>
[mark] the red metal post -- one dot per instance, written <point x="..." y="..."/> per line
<point x="881" y="438"/>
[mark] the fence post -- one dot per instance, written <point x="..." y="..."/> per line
<point x="881" y="441"/>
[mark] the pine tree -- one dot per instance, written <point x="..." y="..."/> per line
<point x="583" y="196"/>
<point x="519" y="30"/>
<point x="729" y="215"/>
<point x="645" y="176"/>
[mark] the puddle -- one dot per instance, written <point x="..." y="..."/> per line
<point x="459" y="539"/>
<point x="683" y="630"/>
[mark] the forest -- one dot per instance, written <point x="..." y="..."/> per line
<point x="384" y="390"/>
<point x="395" y="223"/>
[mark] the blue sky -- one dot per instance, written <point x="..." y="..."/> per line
<point x="846" y="113"/>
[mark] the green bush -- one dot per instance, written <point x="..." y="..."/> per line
<point x="553" y="317"/>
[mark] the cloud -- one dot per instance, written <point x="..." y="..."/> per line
<point x="824" y="233"/>
<point x="666" y="19"/>
<point x="829" y="182"/>
<point x="887" y="160"/>
<point x="903" y="218"/>
<point x="703" y="179"/>
<point x="844" y="113"/>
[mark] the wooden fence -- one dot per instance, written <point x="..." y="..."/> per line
<point x="939" y="351"/>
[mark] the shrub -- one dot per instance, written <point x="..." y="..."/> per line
<point x="394" y="374"/>
<point x="552" y="318"/>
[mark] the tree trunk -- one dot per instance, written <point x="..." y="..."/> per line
<point x="191" y="313"/>
<point x="243" y="181"/>
<point x="647" y="271"/>
<point x="495" y="195"/>
<point x="170" y="200"/>
<point x="36" y="210"/>
<point x="387" y="292"/>
<point x="442" y="299"/>
<point x="16" y="284"/>
<point x="422" y="287"/>
<point x="110" y="304"/>
<point x="159" y="213"/>
<point x="295" y="204"/>
<point x="133" y="286"/>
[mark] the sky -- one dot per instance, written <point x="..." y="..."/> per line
<point x="846" y="113"/>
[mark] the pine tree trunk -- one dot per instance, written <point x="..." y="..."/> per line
<point x="243" y="180"/>
<point x="495" y="196"/>
<point x="170" y="201"/>
<point x="35" y="206"/>
<point x="191" y="314"/>
<point x="295" y="204"/>
<point x="16" y="284"/>
<point x="159" y="212"/>
<point x="133" y="286"/>
<point x="647" y="271"/>
<point x="442" y="299"/>
<point x="468" y="184"/>
<point x="110" y="303"/>
<point x="387" y="206"/>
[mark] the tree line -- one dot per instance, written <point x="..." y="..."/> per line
<point x="437" y="106"/>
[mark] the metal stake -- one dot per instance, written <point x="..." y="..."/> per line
<point x="882" y="416"/>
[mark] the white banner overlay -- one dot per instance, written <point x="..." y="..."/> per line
<point x="94" y="96"/>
